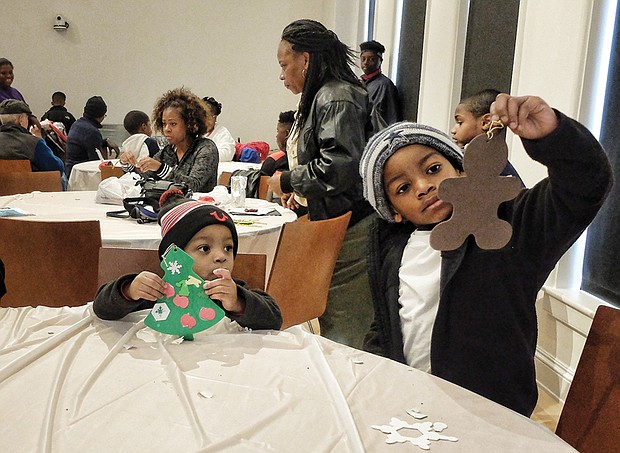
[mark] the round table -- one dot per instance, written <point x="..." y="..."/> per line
<point x="257" y="234"/>
<point x="87" y="175"/>
<point x="72" y="382"/>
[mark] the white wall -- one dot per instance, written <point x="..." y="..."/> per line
<point x="442" y="62"/>
<point x="132" y="52"/>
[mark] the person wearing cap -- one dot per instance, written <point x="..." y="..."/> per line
<point x="382" y="91"/>
<point x="16" y="142"/>
<point x="84" y="139"/>
<point x="468" y="315"/>
<point x="209" y="236"/>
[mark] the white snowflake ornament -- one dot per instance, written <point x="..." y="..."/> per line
<point x="174" y="267"/>
<point x="429" y="431"/>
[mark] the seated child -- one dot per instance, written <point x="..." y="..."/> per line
<point x="468" y="315"/>
<point x="278" y="160"/>
<point x="209" y="236"/>
<point x="472" y="117"/>
<point x="140" y="143"/>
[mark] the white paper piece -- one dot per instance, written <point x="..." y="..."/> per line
<point x="427" y="430"/>
<point x="13" y="212"/>
<point x="415" y="413"/>
<point x="206" y="393"/>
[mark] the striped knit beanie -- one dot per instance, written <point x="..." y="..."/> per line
<point x="389" y="140"/>
<point x="181" y="218"/>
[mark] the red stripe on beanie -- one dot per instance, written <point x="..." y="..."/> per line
<point x="171" y="217"/>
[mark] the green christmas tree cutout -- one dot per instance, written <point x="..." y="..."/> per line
<point x="185" y="309"/>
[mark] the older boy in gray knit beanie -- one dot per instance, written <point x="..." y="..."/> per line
<point x="385" y="143"/>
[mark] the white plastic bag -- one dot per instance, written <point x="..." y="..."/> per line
<point x="112" y="190"/>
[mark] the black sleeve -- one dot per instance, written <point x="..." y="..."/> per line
<point x="261" y="311"/>
<point x="550" y="216"/>
<point x="152" y="145"/>
<point x="110" y="304"/>
<point x="2" y="285"/>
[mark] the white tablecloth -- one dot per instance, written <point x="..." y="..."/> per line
<point x="259" y="237"/>
<point x="87" y="176"/>
<point x="70" y="382"/>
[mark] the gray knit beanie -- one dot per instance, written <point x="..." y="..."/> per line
<point x="389" y="140"/>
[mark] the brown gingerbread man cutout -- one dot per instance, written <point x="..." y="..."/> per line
<point x="476" y="197"/>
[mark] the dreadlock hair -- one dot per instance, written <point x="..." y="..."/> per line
<point x="330" y="59"/>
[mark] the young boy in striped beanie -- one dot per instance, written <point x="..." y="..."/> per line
<point x="208" y="235"/>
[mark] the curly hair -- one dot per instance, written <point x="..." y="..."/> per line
<point x="216" y="107"/>
<point x="480" y="103"/>
<point x="190" y="106"/>
<point x="287" y="117"/>
<point x="330" y="59"/>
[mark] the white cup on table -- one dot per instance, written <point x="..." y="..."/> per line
<point x="238" y="186"/>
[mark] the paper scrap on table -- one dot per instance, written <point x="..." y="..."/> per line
<point x="13" y="212"/>
<point x="206" y="393"/>
<point x="429" y="432"/>
<point x="415" y="413"/>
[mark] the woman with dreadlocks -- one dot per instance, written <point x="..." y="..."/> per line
<point x="332" y="126"/>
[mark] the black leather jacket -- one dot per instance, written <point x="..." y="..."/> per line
<point x="330" y="146"/>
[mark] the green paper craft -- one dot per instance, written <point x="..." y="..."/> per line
<point x="185" y="309"/>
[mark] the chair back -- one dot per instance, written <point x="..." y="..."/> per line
<point x="252" y="269"/>
<point x="49" y="263"/>
<point x="115" y="262"/>
<point x="15" y="165"/>
<point x="263" y="187"/>
<point x="303" y="267"/>
<point x="224" y="178"/>
<point x="23" y="182"/>
<point x="589" y="418"/>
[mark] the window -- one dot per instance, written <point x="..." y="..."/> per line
<point x="601" y="266"/>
